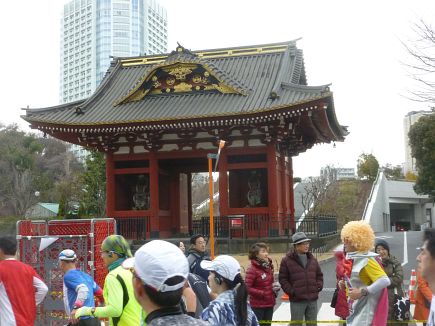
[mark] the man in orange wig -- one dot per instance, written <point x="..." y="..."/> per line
<point x="365" y="280"/>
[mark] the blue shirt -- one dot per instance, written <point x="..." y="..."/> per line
<point x="221" y="311"/>
<point x="72" y="281"/>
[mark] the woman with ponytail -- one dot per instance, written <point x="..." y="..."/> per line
<point x="231" y="305"/>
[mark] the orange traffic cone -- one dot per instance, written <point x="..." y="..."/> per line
<point x="412" y="285"/>
<point x="284" y="297"/>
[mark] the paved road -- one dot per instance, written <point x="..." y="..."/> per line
<point x="403" y="245"/>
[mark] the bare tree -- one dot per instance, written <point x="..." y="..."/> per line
<point x="421" y="65"/>
<point x="316" y="191"/>
<point x="22" y="193"/>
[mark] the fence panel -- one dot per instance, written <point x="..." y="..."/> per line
<point x="82" y="236"/>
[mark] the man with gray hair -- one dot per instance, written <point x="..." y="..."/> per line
<point x="301" y="278"/>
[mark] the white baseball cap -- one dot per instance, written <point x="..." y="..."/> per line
<point x="226" y="266"/>
<point x="67" y="255"/>
<point x="156" y="262"/>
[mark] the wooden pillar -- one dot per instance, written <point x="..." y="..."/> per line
<point x="183" y="199"/>
<point x="110" y="185"/>
<point x="189" y="200"/>
<point x="272" y="180"/>
<point x="287" y="187"/>
<point x="154" y="194"/>
<point x="284" y="185"/>
<point x="174" y="199"/>
<point x="223" y="184"/>
<point x="292" y="196"/>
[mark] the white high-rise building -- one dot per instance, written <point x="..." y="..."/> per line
<point x="94" y="30"/>
<point x="411" y="118"/>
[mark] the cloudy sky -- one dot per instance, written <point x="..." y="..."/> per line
<point x="353" y="45"/>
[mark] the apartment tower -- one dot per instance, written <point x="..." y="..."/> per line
<point x="93" y="31"/>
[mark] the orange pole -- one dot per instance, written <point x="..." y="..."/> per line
<point x="210" y="188"/>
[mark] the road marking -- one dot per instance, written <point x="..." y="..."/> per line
<point x="384" y="237"/>
<point x="325" y="315"/>
<point x="405" y="249"/>
<point x="328" y="290"/>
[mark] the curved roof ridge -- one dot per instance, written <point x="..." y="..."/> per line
<point x="324" y="88"/>
<point x="291" y="68"/>
<point x="284" y="67"/>
<point x="298" y="74"/>
<point x="115" y="66"/>
<point x="285" y="43"/>
<point x="212" y="53"/>
<point x="58" y="107"/>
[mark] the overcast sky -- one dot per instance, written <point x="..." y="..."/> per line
<point x="353" y="45"/>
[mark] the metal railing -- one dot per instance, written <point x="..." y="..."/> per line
<point x="133" y="227"/>
<point x="319" y="251"/>
<point x="320" y="226"/>
<point x="237" y="226"/>
<point x="374" y="185"/>
<point x="259" y="226"/>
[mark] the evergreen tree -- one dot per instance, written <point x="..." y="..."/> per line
<point x="422" y="142"/>
<point x="367" y="166"/>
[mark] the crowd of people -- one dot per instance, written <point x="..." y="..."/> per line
<point x="165" y="284"/>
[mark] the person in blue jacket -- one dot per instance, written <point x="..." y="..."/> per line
<point x="78" y="289"/>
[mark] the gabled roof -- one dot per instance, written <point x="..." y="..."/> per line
<point x="181" y="72"/>
<point x="52" y="207"/>
<point x="248" y="80"/>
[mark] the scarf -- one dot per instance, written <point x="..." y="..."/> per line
<point x="116" y="264"/>
<point x="263" y="263"/>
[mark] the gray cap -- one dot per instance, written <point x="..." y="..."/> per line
<point x="299" y="237"/>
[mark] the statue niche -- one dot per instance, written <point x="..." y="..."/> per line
<point x="254" y="192"/>
<point x="141" y="193"/>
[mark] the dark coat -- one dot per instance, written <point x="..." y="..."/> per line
<point x="298" y="282"/>
<point x="194" y="259"/>
<point x="259" y="280"/>
<point x="393" y="269"/>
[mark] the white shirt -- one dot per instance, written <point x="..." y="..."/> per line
<point x="431" y="318"/>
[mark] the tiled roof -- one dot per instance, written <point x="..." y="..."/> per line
<point x="268" y="77"/>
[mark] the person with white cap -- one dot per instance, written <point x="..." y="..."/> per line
<point x="231" y="306"/>
<point x="301" y="278"/>
<point x="120" y="306"/>
<point x="78" y="289"/>
<point x="160" y="272"/>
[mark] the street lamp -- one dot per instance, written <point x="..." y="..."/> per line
<point x="210" y="158"/>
